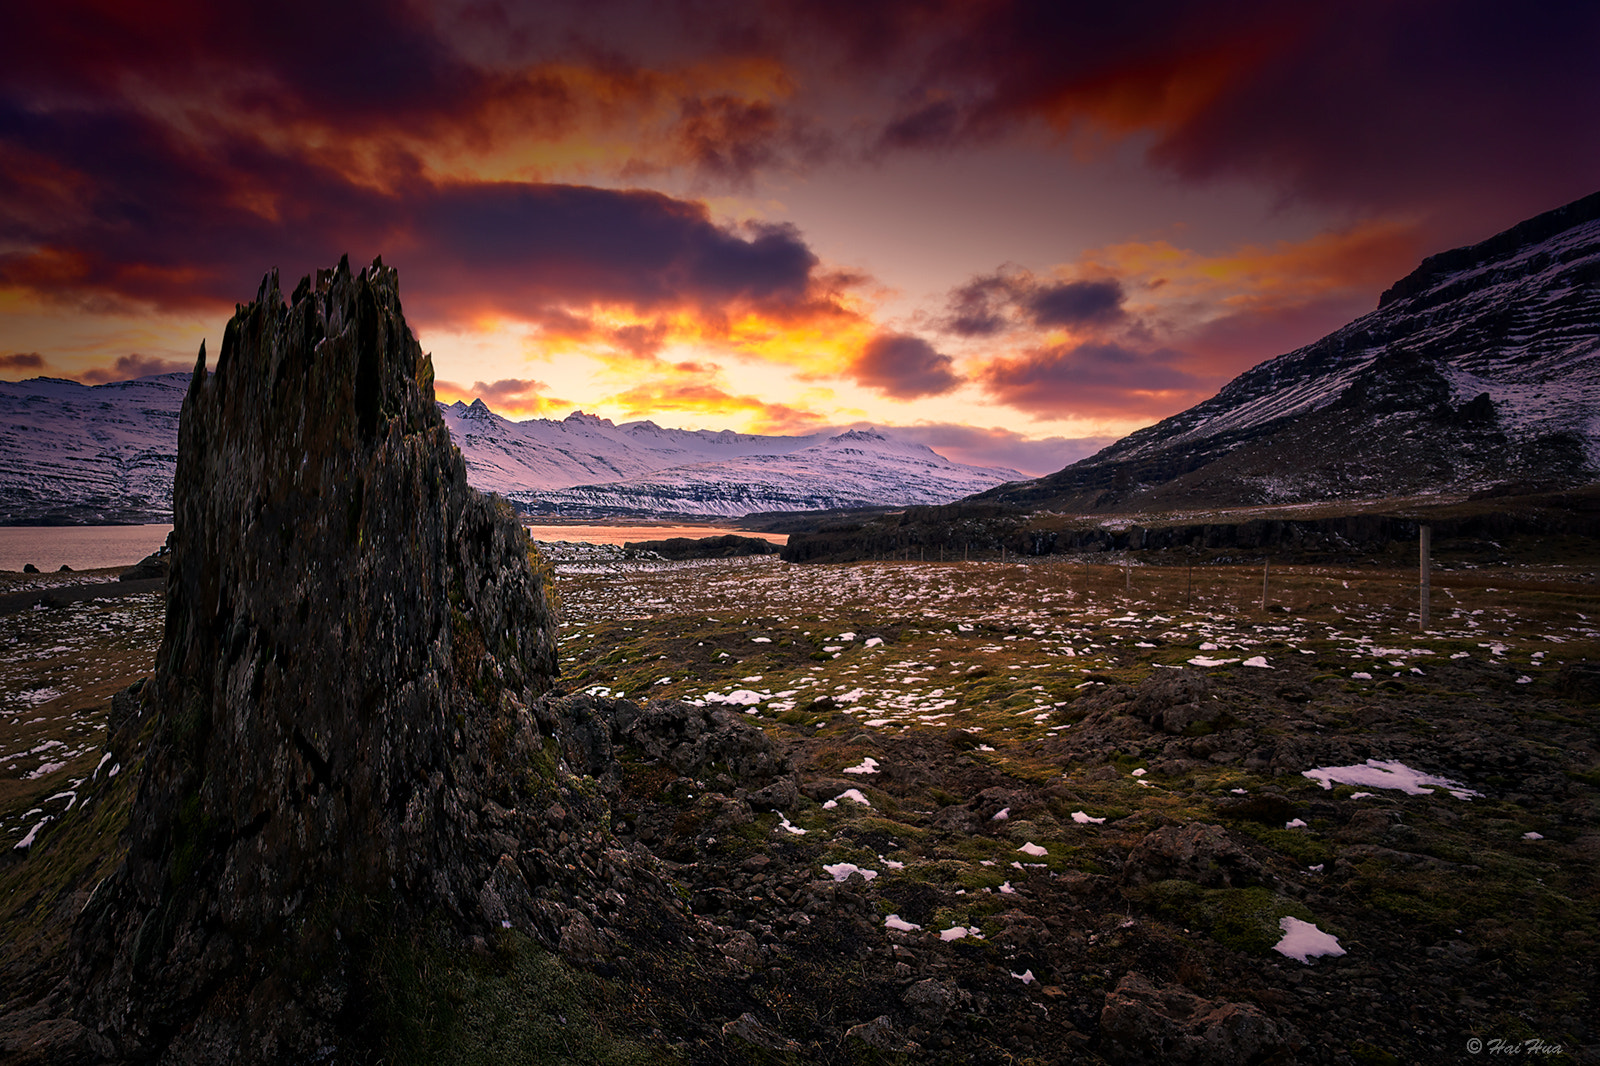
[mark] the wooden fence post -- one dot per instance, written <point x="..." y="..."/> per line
<point x="1424" y="546"/>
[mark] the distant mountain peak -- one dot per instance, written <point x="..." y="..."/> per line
<point x="861" y="435"/>
<point x="584" y="419"/>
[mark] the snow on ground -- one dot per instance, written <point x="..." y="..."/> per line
<point x="1381" y="774"/>
<point x="852" y="794"/>
<point x="1304" y="941"/>
<point x="841" y="871"/>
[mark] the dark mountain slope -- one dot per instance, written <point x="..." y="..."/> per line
<point x="1481" y="368"/>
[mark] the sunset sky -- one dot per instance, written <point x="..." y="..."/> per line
<point x="1021" y="228"/>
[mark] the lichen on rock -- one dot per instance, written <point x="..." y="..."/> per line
<point x="346" y="698"/>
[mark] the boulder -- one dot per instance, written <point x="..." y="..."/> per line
<point x="1144" y="1022"/>
<point x="1197" y="852"/>
<point x="1175" y="701"/>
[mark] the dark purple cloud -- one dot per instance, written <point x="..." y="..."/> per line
<point x="22" y="361"/>
<point x="1010" y="298"/>
<point x="904" y="366"/>
<point x="134" y="366"/>
<point x="1445" y="110"/>
<point x="148" y="219"/>
<point x="1076" y="303"/>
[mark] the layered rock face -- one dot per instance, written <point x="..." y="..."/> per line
<point x="345" y="701"/>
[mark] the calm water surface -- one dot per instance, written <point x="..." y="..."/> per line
<point x="80" y="547"/>
<point x="88" y="547"/>
<point x="622" y="534"/>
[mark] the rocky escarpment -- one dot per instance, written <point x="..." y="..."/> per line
<point x="347" y="736"/>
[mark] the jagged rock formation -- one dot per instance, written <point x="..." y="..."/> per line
<point x="1478" y="369"/>
<point x="347" y="731"/>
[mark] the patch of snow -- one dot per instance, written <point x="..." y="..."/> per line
<point x="956" y="932"/>
<point x="841" y="871"/>
<point x="1259" y="661"/>
<point x="1084" y="819"/>
<point x="894" y="921"/>
<point x="868" y="765"/>
<point x="1388" y="774"/>
<point x="1532" y="836"/>
<point x="1201" y="660"/>
<point x="788" y="826"/>
<point x="1030" y="848"/>
<point x="1295" y="823"/>
<point x="27" y="842"/>
<point x="1304" y="941"/>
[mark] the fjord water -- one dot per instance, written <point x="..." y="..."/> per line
<point x="80" y="547"/>
<point x="88" y="547"/>
<point x="606" y="534"/>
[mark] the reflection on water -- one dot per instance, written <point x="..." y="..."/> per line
<point x="623" y="534"/>
<point x="80" y="547"/>
<point x="88" y="547"/>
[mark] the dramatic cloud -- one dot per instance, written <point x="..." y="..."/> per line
<point x="134" y="366"/>
<point x="1379" y="106"/>
<point x="1012" y="298"/>
<point x="904" y="367"/>
<point x="684" y="401"/>
<point x="536" y="173"/>
<point x="1076" y="303"/>
<point x="1094" y="379"/>
<point x="512" y="397"/>
<point x="22" y="361"/>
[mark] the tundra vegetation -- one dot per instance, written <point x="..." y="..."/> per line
<point x="1018" y="812"/>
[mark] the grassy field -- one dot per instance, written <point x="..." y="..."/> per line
<point x="946" y="693"/>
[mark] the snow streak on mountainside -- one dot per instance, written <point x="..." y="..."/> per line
<point x="91" y="454"/>
<point x="108" y="453"/>
<point x="1480" y="368"/>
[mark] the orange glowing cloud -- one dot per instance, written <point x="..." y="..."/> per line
<point x="1142" y="329"/>
<point x="689" y="400"/>
<point x="511" y="397"/>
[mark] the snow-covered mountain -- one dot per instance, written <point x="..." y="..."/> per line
<point x="107" y="453"/>
<point x="540" y="454"/>
<point x="90" y="454"/>
<point x="858" y="468"/>
<point x="1481" y="368"/>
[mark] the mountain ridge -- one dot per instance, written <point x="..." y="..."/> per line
<point x="105" y="454"/>
<point x="1479" y="368"/>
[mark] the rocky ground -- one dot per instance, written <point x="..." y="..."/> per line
<point x="972" y="812"/>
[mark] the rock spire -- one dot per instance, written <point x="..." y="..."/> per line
<point x="346" y="693"/>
